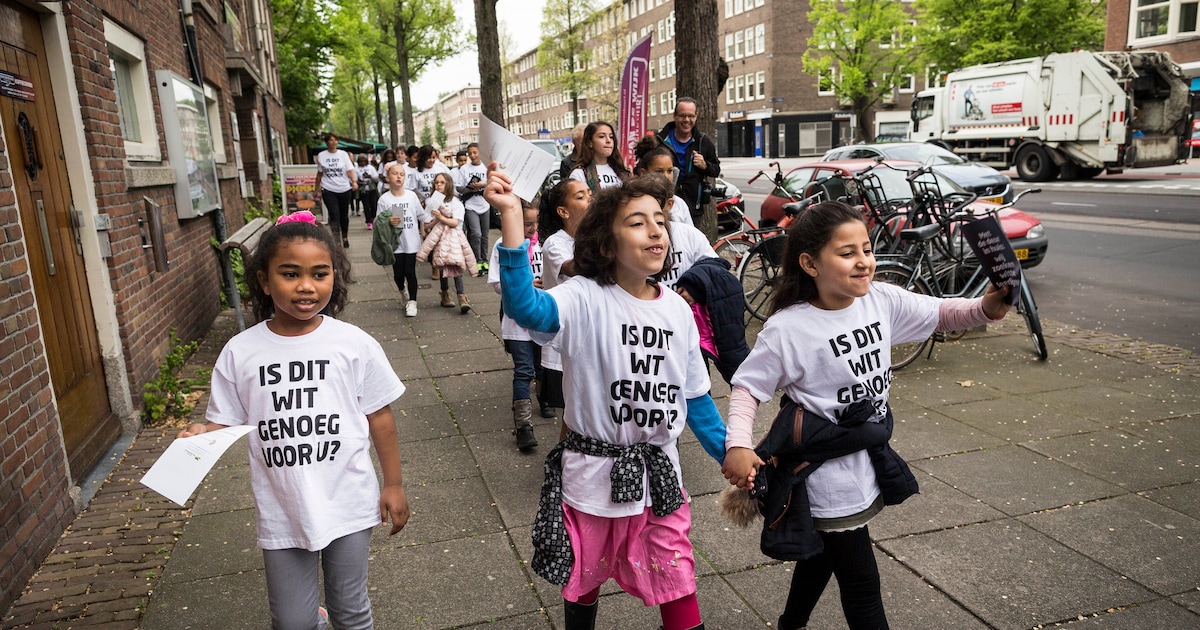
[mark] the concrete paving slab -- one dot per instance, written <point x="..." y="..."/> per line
<point x="1012" y="576"/>
<point x="934" y="389"/>
<point x="205" y="604"/>
<point x="410" y="368"/>
<point x="1154" y="615"/>
<point x="514" y="478"/>
<point x="723" y="545"/>
<point x="469" y="361"/>
<point x="549" y="594"/>
<point x="1015" y="480"/>
<point x="1135" y="457"/>
<point x="1024" y="379"/>
<point x="1133" y="536"/>
<point x="938" y="506"/>
<point x="1184" y="498"/>
<point x="701" y="473"/>
<point x="1112" y="405"/>
<point x="423" y="423"/>
<point x="720" y="607"/>
<point x="1017" y="419"/>
<point x="439" y="459"/>
<point x="1190" y="600"/>
<point x="386" y="328"/>
<point x="494" y="413"/>
<point x="213" y="545"/>
<point x="401" y="349"/>
<point x="473" y="387"/>
<point x="1167" y="387"/>
<point x="441" y="511"/>
<point x="449" y="584"/>
<point x="229" y="492"/>
<point x="922" y="433"/>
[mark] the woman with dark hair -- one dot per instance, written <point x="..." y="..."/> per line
<point x="336" y="180"/>
<point x="600" y="166"/>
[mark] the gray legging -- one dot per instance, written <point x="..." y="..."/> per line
<point x="477" y="233"/>
<point x="292" y="592"/>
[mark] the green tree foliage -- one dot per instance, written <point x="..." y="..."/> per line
<point x="439" y="133"/>
<point x="562" y="52"/>
<point x="861" y="49"/>
<point x="304" y="40"/>
<point x="426" y="136"/>
<point x="957" y="33"/>
<point x="425" y="33"/>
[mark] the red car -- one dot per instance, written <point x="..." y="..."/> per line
<point x="1024" y="231"/>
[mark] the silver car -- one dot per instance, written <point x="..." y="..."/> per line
<point x="981" y="179"/>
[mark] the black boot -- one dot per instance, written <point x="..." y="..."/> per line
<point x="578" y="616"/>
<point x="523" y="424"/>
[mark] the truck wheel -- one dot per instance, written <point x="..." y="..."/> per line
<point x="1034" y="164"/>
<point x="1089" y="173"/>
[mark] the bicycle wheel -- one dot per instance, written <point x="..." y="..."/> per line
<point x="733" y="250"/>
<point x="904" y="353"/>
<point x="1028" y="310"/>
<point x="758" y="272"/>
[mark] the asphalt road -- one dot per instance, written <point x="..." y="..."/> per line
<point x="1124" y="255"/>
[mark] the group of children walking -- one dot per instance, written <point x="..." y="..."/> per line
<point x="585" y="276"/>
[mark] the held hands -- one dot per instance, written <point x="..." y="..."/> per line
<point x="995" y="302"/>
<point x="393" y="503"/>
<point x="740" y="467"/>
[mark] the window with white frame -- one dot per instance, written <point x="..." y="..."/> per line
<point x="738" y="6"/>
<point x="671" y="64"/>
<point x="749" y="41"/>
<point x="671" y="101"/>
<point x="760" y="78"/>
<point x="653" y="75"/>
<point x="729" y="92"/>
<point x="760" y="39"/>
<point x="908" y="83"/>
<point x="825" y="83"/>
<point x="729" y="46"/>
<point x="662" y="32"/>
<point x="662" y="66"/>
<point x="127" y="61"/>
<point x="740" y="89"/>
<point x="662" y="102"/>
<point x="1164" y="19"/>
<point x="759" y="3"/>
<point x="728" y="8"/>
<point x="750" y="87"/>
<point x="212" y="104"/>
<point x="653" y="106"/>
<point x="934" y="77"/>
<point x="671" y="25"/>
<point x="738" y="40"/>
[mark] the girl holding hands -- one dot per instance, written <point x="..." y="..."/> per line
<point x="827" y="346"/>
<point x="632" y="376"/>
<point x="319" y="391"/>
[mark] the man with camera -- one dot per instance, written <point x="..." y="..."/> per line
<point x="469" y="182"/>
<point x="695" y="156"/>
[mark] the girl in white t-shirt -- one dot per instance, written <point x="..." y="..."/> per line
<point x="337" y="181"/>
<point x="399" y="227"/>
<point x="428" y="165"/>
<point x="453" y="214"/>
<point x="827" y="345"/>
<point x="599" y="165"/>
<point x="655" y="158"/>
<point x="318" y="390"/>
<point x="526" y="355"/>
<point x="633" y="376"/>
<point x="562" y="208"/>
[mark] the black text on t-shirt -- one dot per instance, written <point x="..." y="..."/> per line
<point x="630" y="396"/>
<point x="294" y="388"/>
<point x="863" y="350"/>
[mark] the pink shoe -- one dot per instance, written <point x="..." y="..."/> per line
<point x="370" y="226"/>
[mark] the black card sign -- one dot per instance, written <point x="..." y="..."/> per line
<point x="16" y="86"/>
<point x="995" y="253"/>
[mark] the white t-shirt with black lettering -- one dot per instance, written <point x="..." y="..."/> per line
<point x="688" y="245"/>
<point x="473" y="172"/>
<point x="605" y="176"/>
<point x="557" y="249"/>
<point x="509" y="329"/>
<point x="826" y="360"/>
<point x="310" y="454"/>
<point x="413" y="214"/>
<point x="629" y="366"/>
<point x="333" y="167"/>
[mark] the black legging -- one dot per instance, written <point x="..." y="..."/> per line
<point x="404" y="270"/>
<point x="370" y="201"/>
<point x="849" y="556"/>
<point x="337" y="210"/>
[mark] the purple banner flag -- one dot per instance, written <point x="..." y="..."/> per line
<point x="634" y="80"/>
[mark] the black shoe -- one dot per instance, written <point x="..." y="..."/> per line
<point x="548" y="411"/>
<point x="525" y="439"/>
<point x="346" y="243"/>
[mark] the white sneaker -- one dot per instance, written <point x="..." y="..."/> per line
<point x="410" y="308"/>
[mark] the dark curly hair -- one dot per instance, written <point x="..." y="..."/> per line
<point x="279" y="235"/>
<point x="550" y="199"/>
<point x="648" y="148"/>
<point x="595" y="242"/>
<point x="808" y="234"/>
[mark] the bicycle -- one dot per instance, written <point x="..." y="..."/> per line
<point x="927" y="268"/>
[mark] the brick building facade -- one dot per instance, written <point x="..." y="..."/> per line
<point x="1170" y="26"/>
<point x="106" y="221"/>
<point x="459" y="112"/>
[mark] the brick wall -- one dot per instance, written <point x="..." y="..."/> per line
<point x="34" y="505"/>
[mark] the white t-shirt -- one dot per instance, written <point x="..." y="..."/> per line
<point x="366" y="174"/>
<point x="557" y="249"/>
<point x="424" y="179"/>
<point x="687" y="246"/>
<point x="456" y="211"/>
<point x="605" y="176"/>
<point x="630" y="366"/>
<point x="410" y="178"/>
<point x="466" y="173"/>
<point x="310" y="455"/>
<point x="508" y="328"/>
<point x="680" y="212"/>
<point x="825" y="360"/>
<point x="333" y="167"/>
<point x="414" y="216"/>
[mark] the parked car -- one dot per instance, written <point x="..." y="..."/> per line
<point x="1024" y="231"/>
<point x="981" y="179"/>
<point x="726" y="195"/>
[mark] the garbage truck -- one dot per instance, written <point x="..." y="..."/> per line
<point x="1072" y="114"/>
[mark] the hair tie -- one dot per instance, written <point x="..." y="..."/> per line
<point x="303" y="216"/>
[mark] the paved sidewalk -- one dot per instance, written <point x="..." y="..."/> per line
<point x="1063" y="492"/>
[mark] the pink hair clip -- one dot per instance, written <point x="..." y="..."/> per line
<point x="303" y="216"/>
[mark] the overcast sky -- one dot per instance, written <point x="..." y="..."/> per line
<point x="521" y="19"/>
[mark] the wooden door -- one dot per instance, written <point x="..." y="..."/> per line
<point x="51" y="235"/>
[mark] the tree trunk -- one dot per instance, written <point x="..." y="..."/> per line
<point x="393" y="140"/>
<point x="378" y="108"/>
<point x="405" y="93"/>
<point x="697" y="60"/>
<point x="491" y="83"/>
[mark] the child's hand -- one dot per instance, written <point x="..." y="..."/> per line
<point x="537" y="283"/>
<point x="995" y="302"/>
<point x="394" y="221"/>
<point x="684" y="292"/>
<point x="741" y="464"/>
<point x="393" y="503"/>
<point x="195" y="428"/>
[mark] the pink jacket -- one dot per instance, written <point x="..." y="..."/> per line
<point x="449" y="247"/>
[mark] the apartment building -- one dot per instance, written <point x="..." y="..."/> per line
<point x="770" y="107"/>
<point x="459" y="112"/>
<point x="127" y="142"/>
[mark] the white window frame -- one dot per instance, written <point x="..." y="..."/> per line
<point x="832" y="76"/>
<point x="760" y="38"/>
<point x="729" y="92"/>
<point x="132" y="50"/>
<point x="1174" y="9"/>
<point x="729" y="46"/>
<point x="739" y="38"/>
<point x="749" y="40"/>
<point x="740" y="87"/>
<point x="212" y="104"/>
<point x="908" y="83"/>
<point x="653" y="105"/>
<point x="751" y="93"/>
<point x="728" y="8"/>
<point x="760" y="78"/>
